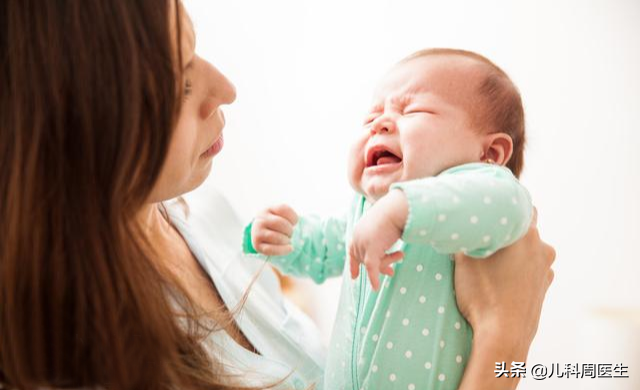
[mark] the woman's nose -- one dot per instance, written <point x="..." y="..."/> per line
<point x="221" y="87"/>
<point x="228" y="93"/>
<point x="221" y="91"/>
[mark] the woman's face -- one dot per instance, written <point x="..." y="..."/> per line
<point x="197" y="138"/>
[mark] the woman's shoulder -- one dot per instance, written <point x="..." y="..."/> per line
<point x="213" y="230"/>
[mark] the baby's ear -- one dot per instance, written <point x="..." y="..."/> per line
<point x="497" y="147"/>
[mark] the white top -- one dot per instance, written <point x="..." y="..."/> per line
<point x="288" y="341"/>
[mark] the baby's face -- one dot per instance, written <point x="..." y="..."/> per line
<point x="418" y="124"/>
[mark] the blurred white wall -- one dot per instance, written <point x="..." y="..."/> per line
<point x="305" y="70"/>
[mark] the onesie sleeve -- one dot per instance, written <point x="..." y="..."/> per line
<point x="318" y="248"/>
<point x="473" y="208"/>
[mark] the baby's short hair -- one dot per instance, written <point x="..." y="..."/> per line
<point x="500" y="110"/>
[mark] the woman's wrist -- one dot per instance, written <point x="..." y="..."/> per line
<point x="492" y="346"/>
<point x="514" y="336"/>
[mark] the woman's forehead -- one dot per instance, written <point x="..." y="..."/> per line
<point x="187" y="32"/>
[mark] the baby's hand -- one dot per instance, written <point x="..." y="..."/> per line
<point x="272" y="229"/>
<point x="375" y="233"/>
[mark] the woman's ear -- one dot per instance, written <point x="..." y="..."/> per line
<point x="497" y="147"/>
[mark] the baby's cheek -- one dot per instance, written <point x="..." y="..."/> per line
<point x="354" y="171"/>
<point x="420" y="165"/>
<point x="356" y="163"/>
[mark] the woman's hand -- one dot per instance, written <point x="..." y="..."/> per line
<point x="272" y="229"/>
<point x="501" y="297"/>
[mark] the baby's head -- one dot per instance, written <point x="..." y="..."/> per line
<point x="436" y="109"/>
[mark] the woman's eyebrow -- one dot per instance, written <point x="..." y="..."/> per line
<point x="189" y="64"/>
<point x="193" y="35"/>
<point x="191" y="39"/>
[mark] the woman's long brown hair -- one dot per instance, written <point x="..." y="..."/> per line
<point x="89" y="95"/>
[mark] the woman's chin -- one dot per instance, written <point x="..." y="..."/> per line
<point x="196" y="178"/>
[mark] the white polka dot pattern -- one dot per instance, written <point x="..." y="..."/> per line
<point x="411" y="332"/>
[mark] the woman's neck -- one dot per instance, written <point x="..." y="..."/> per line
<point x="167" y="243"/>
<point x="176" y="258"/>
<point x="153" y="223"/>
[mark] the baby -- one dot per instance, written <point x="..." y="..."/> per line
<point x="430" y="175"/>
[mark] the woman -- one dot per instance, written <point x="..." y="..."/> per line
<point x="106" y="112"/>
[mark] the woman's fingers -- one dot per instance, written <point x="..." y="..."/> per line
<point x="549" y="280"/>
<point x="534" y="219"/>
<point x="550" y="256"/>
<point x="532" y="234"/>
<point x="550" y="253"/>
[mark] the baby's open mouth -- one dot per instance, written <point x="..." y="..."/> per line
<point x="380" y="155"/>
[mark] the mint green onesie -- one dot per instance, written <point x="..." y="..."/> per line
<point x="410" y="334"/>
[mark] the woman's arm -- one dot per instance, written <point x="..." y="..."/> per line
<point x="502" y="298"/>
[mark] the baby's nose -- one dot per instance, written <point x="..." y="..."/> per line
<point x="383" y="125"/>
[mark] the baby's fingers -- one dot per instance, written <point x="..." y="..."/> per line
<point x="271" y="237"/>
<point x="275" y="223"/>
<point x="285" y="212"/>
<point x="385" y="264"/>
<point x="391" y="258"/>
<point x="274" y="250"/>
<point x="354" y="264"/>
<point x="387" y="271"/>
<point x="374" y="274"/>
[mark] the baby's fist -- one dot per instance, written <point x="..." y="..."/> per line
<point x="272" y="229"/>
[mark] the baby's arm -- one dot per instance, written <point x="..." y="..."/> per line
<point x="299" y="246"/>
<point x="473" y="208"/>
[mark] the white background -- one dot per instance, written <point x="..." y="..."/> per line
<point x="305" y="70"/>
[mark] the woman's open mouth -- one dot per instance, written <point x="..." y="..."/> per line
<point x="214" y="149"/>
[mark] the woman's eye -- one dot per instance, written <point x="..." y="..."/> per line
<point x="188" y="88"/>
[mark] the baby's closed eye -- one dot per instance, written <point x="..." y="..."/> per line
<point x="369" y="119"/>
<point x="410" y="110"/>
